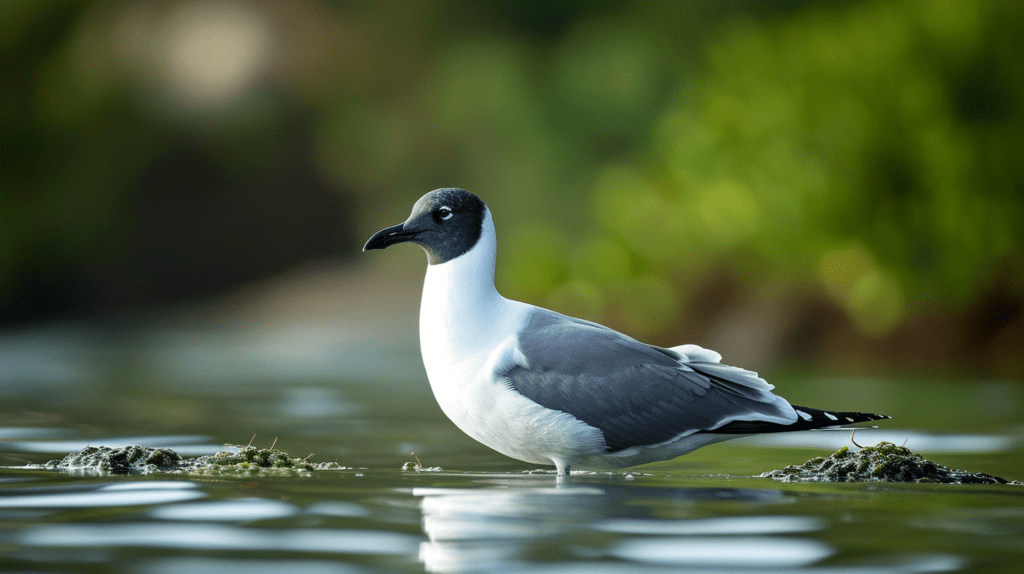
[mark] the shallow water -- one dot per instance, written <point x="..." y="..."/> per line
<point x="368" y="407"/>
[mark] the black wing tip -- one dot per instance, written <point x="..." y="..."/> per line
<point x="807" y="419"/>
<point x="836" y="417"/>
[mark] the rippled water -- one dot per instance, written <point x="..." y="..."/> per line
<point x="368" y="407"/>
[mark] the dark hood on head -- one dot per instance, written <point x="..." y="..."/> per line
<point x="446" y="223"/>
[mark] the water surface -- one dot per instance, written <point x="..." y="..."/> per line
<point x="368" y="407"/>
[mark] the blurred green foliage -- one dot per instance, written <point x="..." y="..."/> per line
<point x="876" y="150"/>
<point x="869" y="150"/>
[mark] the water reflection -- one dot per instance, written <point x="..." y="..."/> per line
<point x="713" y="526"/>
<point x="102" y="495"/>
<point x="185" y="445"/>
<point x="722" y="551"/>
<point x="483" y="529"/>
<point x="200" y="565"/>
<point x="496" y="528"/>
<point x="916" y="441"/>
<point x="8" y="433"/>
<point x="524" y="526"/>
<point x="338" y="508"/>
<point x="222" y="537"/>
<point x="239" y="509"/>
<point x="922" y="565"/>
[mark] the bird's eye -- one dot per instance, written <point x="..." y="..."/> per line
<point x="444" y="213"/>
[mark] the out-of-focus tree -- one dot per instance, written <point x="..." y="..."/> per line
<point x="875" y="151"/>
<point x="647" y="161"/>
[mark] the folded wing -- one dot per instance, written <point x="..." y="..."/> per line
<point x="636" y="394"/>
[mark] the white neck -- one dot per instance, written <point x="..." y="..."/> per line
<point x="460" y="305"/>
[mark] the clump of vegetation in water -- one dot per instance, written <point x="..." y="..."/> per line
<point x="418" y="466"/>
<point x="250" y="460"/>
<point x="247" y="460"/>
<point x="124" y="460"/>
<point x="884" y="462"/>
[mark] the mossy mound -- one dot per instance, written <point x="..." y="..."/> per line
<point x="250" y="460"/>
<point x="124" y="460"/>
<point x="418" y="466"/>
<point x="884" y="462"/>
<point x="246" y="460"/>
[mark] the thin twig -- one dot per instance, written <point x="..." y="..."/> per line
<point x="852" y="435"/>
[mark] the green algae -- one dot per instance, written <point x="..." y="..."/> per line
<point x="252" y="460"/>
<point x="246" y="461"/>
<point x="884" y="462"/>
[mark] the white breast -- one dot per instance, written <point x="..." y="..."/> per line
<point x="467" y="329"/>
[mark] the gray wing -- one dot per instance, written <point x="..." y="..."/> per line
<point x="636" y="394"/>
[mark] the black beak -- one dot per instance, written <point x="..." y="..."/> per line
<point x="390" y="236"/>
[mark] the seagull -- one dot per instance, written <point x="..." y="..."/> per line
<point x="550" y="389"/>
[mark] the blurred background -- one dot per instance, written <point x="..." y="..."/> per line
<point x="836" y="187"/>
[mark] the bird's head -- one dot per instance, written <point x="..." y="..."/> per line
<point x="446" y="223"/>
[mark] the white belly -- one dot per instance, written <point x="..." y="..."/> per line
<point x="460" y="368"/>
<point x="503" y="419"/>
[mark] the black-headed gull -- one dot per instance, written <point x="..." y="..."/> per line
<point x="550" y="389"/>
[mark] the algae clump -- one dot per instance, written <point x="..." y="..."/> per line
<point x="247" y="460"/>
<point x="124" y="460"/>
<point x="884" y="462"/>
